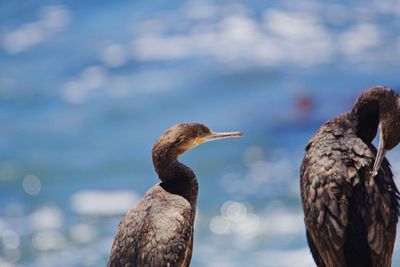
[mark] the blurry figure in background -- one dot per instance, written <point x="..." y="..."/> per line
<point x="349" y="197"/>
<point x="158" y="231"/>
<point x="304" y="105"/>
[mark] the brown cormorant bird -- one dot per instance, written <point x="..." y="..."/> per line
<point x="350" y="200"/>
<point x="158" y="231"/>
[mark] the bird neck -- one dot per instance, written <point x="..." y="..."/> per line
<point x="370" y="109"/>
<point x="177" y="178"/>
<point x="367" y="117"/>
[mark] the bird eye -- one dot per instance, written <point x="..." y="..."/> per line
<point x="179" y="140"/>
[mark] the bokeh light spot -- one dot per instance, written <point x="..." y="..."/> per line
<point x="234" y="211"/>
<point x="10" y="239"/>
<point x="32" y="185"/>
<point x="48" y="240"/>
<point x="47" y="217"/>
<point x="220" y="225"/>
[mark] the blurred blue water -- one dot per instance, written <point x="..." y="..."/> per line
<point x="87" y="87"/>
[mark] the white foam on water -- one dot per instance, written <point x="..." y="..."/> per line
<point x="53" y="19"/>
<point x="46" y="218"/>
<point x="298" y="36"/>
<point x="103" y="202"/>
<point x="48" y="240"/>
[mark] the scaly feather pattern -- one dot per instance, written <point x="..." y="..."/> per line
<point x="350" y="216"/>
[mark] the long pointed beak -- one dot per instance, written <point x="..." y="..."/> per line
<point x="216" y="136"/>
<point x="380" y="155"/>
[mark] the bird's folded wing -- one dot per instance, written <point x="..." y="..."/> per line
<point x="154" y="235"/>
<point x="325" y="195"/>
<point x="328" y="176"/>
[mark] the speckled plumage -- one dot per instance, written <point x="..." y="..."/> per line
<point x="350" y="215"/>
<point x="158" y="231"/>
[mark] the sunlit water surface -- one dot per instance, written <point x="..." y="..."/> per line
<point x="86" y="89"/>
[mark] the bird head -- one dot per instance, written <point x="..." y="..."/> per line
<point x="184" y="136"/>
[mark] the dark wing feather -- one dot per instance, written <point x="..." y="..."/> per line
<point x="326" y="187"/>
<point x="383" y="211"/>
<point x="336" y="188"/>
<point x="157" y="232"/>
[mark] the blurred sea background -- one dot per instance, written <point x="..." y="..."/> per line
<point x="86" y="87"/>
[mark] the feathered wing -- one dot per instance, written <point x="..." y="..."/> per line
<point x="157" y="232"/>
<point x="383" y="214"/>
<point x="325" y="193"/>
<point x="336" y="189"/>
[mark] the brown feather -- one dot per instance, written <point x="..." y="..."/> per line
<point x="350" y="216"/>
